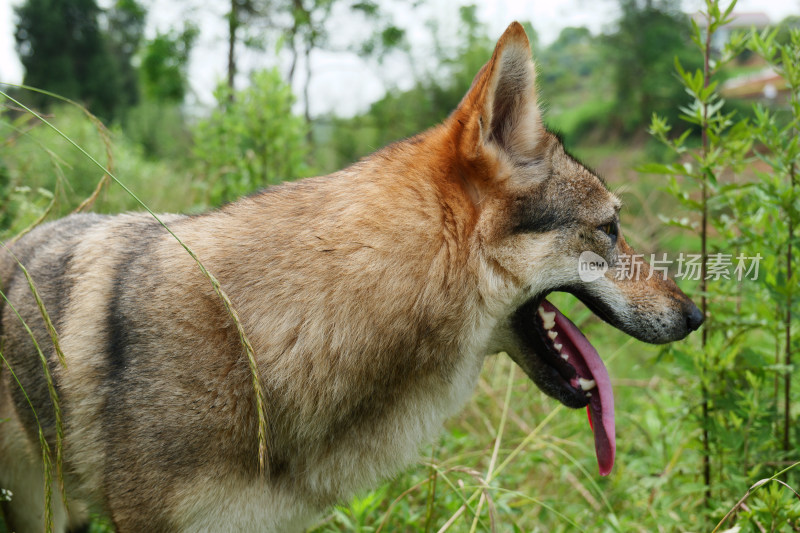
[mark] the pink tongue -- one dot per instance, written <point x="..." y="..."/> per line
<point x="587" y="363"/>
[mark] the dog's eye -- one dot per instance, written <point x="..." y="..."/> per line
<point x="610" y="229"/>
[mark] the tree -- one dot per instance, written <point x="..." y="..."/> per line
<point x="241" y="14"/>
<point x="402" y="113"/>
<point x="308" y="26"/>
<point x="164" y="63"/>
<point x="62" y="49"/>
<point x="650" y="34"/>
<point x="252" y="140"/>
<point x="309" y="30"/>
<point x="785" y="27"/>
<point x="157" y="121"/>
<point x="126" y="20"/>
<point x="302" y="26"/>
<point x="573" y="55"/>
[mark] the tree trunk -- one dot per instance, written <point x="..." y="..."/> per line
<point x="703" y="271"/>
<point x="233" y="25"/>
<point x="306" y="103"/>
<point x="293" y="65"/>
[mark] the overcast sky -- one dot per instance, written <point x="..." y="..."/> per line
<point x="343" y="82"/>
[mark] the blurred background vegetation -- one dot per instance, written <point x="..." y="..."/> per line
<point x="711" y="123"/>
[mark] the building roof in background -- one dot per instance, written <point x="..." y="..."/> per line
<point x="765" y="83"/>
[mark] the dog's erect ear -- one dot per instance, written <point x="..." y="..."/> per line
<point x="500" y="107"/>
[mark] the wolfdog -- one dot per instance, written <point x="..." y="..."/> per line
<point x="371" y="298"/>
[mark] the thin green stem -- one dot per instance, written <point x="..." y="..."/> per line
<point x="498" y="439"/>
<point x="752" y="489"/>
<point x="789" y="297"/>
<point x="47" y="458"/>
<point x="704" y="259"/>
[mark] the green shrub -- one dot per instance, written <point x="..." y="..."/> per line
<point x="38" y="164"/>
<point x="739" y="209"/>
<point x="251" y="139"/>
<point x="161" y="131"/>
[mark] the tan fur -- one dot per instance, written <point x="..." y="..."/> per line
<point x="371" y="298"/>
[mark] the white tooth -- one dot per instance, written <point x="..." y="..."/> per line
<point x="548" y="319"/>
<point x="552" y="334"/>
<point x="557" y="346"/>
<point x="588" y="394"/>
<point x="587" y="384"/>
<point x="564" y="356"/>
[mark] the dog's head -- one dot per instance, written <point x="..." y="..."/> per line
<point x="546" y="223"/>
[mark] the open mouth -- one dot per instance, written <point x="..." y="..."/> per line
<point x="562" y="362"/>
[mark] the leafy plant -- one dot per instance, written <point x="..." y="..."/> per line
<point x="746" y="219"/>
<point x="252" y="140"/>
<point x="165" y="61"/>
<point x="779" y="193"/>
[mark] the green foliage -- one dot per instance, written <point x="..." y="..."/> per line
<point x="359" y="515"/>
<point x="576" y="122"/>
<point x="779" y="192"/>
<point x="341" y="141"/>
<point x="164" y="63"/>
<point x="20" y="205"/>
<point x="160" y="129"/>
<point x="252" y="140"/>
<point x="460" y="63"/>
<point x="383" y="41"/>
<point x="736" y="361"/>
<point x="63" y="50"/>
<point x="39" y="168"/>
<point x="575" y="85"/>
<point x="773" y="508"/>
<point x="569" y="61"/>
<point x="785" y="27"/>
<point x="126" y="20"/>
<point x="649" y="35"/>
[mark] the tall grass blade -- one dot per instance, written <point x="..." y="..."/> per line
<point x="47" y="454"/>
<point x="51" y="389"/>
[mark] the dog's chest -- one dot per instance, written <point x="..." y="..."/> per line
<point x="373" y="451"/>
<point x="360" y="459"/>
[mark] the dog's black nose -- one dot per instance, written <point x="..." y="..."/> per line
<point x="694" y="318"/>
